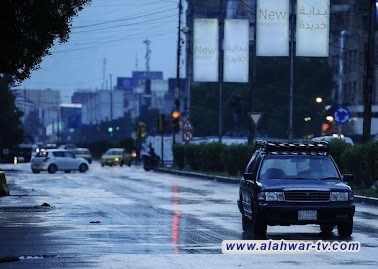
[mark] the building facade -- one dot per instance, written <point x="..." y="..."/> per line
<point x="104" y="105"/>
<point x="347" y="49"/>
<point x="44" y="102"/>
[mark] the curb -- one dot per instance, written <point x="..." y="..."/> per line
<point x="222" y="179"/>
<point x="4" y="189"/>
<point x="9" y="259"/>
<point x="230" y="180"/>
<point x="365" y="199"/>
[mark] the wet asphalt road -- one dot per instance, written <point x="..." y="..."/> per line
<point x="124" y="217"/>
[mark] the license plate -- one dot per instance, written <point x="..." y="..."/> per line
<point x="307" y="215"/>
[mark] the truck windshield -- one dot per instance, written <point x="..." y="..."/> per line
<point x="298" y="167"/>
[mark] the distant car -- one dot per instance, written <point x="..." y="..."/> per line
<point x="83" y="153"/>
<point x="329" y="138"/>
<point x="53" y="160"/>
<point x="115" y="156"/>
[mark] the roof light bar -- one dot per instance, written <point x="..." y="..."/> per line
<point x="307" y="147"/>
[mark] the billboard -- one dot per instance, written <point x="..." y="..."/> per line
<point x="312" y="28"/>
<point x="272" y="28"/>
<point x="236" y="51"/>
<point x="206" y="52"/>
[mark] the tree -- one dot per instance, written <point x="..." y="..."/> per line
<point x="28" y="30"/>
<point x="10" y="125"/>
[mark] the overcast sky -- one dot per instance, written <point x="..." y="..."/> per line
<point x="115" y="30"/>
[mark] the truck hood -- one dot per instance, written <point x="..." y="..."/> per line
<point x="303" y="184"/>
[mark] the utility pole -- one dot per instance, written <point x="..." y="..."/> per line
<point x="147" y="77"/>
<point x="111" y="97"/>
<point x="136" y="62"/>
<point x="369" y="74"/>
<point x="291" y="91"/>
<point x="220" y="70"/>
<point x="177" y="89"/>
<point x="103" y="73"/>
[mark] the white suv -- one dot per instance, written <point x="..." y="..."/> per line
<point x="53" y="160"/>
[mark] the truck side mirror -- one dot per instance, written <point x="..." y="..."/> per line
<point x="249" y="176"/>
<point x="347" y="177"/>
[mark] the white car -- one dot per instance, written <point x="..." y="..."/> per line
<point x="53" y="160"/>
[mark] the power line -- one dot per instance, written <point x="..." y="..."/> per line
<point x="137" y="28"/>
<point x="120" y="25"/>
<point x="123" y="19"/>
<point x="109" y="43"/>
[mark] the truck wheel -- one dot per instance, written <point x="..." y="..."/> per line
<point x="259" y="225"/>
<point x="345" y="229"/>
<point x="246" y="224"/>
<point x="326" y="229"/>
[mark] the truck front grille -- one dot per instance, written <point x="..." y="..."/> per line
<point x="306" y="196"/>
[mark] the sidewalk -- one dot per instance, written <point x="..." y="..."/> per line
<point x="234" y="180"/>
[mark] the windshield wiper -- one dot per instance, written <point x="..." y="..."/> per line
<point x="330" y="178"/>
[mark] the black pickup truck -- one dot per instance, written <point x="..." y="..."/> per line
<point x="295" y="184"/>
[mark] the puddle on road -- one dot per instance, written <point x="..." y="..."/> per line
<point x="27" y="208"/>
<point x="38" y="257"/>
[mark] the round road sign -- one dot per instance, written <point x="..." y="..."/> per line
<point x="342" y="115"/>
<point x="187" y="136"/>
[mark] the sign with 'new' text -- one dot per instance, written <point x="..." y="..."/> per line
<point x="272" y="28"/>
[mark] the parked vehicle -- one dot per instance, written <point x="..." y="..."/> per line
<point x="295" y="184"/>
<point x="53" y="160"/>
<point x="115" y="156"/>
<point x="83" y="153"/>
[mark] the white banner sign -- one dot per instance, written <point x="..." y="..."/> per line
<point x="206" y="52"/>
<point x="272" y="28"/>
<point x="236" y="51"/>
<point x="312" y="28"/>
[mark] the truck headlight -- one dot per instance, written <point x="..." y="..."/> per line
<point x="270" y="196"/>
<point x="339" y="196"/>
<point x="116" y="159"/>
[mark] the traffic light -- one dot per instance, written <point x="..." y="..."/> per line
<point x="175" y="120"/>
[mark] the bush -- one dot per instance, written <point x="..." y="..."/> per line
<point x="359" y="160"/>
<point x="362" y="162"/>
<point x="336" y="149"/>
<point x="213" y="157"/>
<point x="178" y="156"/>
<point x="195" y="157"/>
<point x="236" y="158"/>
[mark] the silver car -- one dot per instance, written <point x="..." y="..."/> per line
<point x="53" y="160"/>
